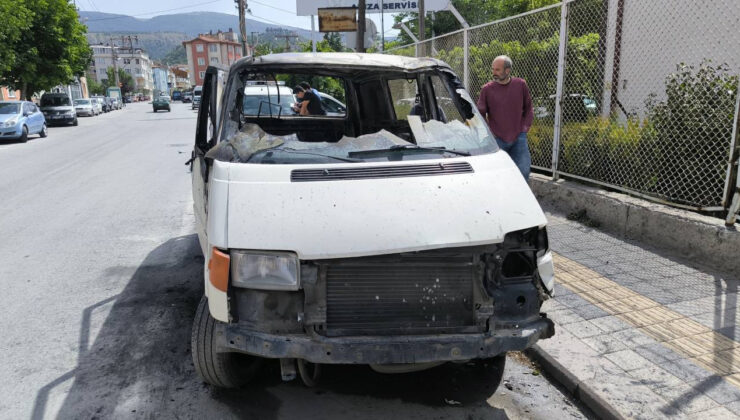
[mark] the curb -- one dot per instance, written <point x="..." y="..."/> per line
<point x="682" y="232"/>
<point x="584" y="393"/>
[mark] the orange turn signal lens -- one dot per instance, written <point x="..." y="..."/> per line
<point x="218" y="269"/>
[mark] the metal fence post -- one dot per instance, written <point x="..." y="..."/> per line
<point x="733" y="206"/>
<point x="559" y="89"/>
<point x="466" y="67"/>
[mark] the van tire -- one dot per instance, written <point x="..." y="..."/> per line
<point x="225" y="370"/>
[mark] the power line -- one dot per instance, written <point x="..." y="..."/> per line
<point x="157" y="11"/>
<point x="273" y="7"/>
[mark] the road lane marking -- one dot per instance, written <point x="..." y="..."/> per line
<point x="698" y="343"/>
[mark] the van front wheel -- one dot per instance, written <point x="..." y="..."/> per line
<point x="225" y="370"/>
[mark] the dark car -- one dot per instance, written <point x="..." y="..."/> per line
<point x="161" y="102"/>
<point x="177" y="95"/>
<point x="58" y="109"/>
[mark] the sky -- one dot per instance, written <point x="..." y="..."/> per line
<point x="278" y="12"/>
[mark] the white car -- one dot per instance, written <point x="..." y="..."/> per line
<point x="332" y="105"/>
<point x="85" y="107"/>
<point x="267" y="98"/>
<point x="370" y="238"/>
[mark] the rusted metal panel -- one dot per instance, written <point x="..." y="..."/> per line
<point x="338" y="19"/>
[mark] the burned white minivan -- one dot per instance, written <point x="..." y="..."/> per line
<point x="393" y="233"/>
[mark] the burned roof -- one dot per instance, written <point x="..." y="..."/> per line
<point x="359" y="60"/>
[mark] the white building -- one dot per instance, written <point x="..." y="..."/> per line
<point x="655" y="36"/>
<point x="133" y="61"/>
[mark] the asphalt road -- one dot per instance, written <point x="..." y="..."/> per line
<point x="101" y="275"/>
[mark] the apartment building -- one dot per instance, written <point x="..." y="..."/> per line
<point x="7" y="93"/>
<point x="133" y="61"/>
<point x="209" y="49"/>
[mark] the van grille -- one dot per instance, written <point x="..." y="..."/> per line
<point x="412" y="293"/>
<point x="336" y="174"/>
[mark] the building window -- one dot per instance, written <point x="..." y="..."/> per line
<point x="202" y="74"/>
<point x="199" y="47"/>
<point x="231" y="49"/>
<point x="126" y="61"/>
<point x="214" y="60"/>
<point x="137" y="61"/>
<point x="213" y="48"/>
<point x="11" y="93"/>
<point x="201" y="61"/>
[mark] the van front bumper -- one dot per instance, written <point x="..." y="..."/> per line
<point x="384" y="349"/>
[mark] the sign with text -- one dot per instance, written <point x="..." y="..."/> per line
<point x="311" y="7"/>
<point x="339" y="19"/>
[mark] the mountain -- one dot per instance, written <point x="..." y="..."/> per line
<point x="157" y="44"/>
<point x="189" y="23"/>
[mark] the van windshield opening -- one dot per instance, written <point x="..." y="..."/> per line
<point x="349" y="115"/>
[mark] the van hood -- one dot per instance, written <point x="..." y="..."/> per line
<point x="350" y="218"/>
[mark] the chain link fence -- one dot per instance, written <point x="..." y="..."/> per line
<point x="634" y="95"/>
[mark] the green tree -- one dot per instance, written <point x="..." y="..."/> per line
<point x="93" y="86"/>
<point x="475" y="12"/>
<point x="52" y="51"/>
<point x="16" y="19"/>
<point x="127" y="82"/>
<point x="334" y="40"/>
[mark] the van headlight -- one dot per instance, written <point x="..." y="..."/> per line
<point x="265" y="270"/>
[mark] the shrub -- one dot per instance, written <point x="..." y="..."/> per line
<point x="692" y="133"/>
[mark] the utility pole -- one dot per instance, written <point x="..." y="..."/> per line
<point x="115" y="60"/>
<point x="361" y="26"/>
<point x="242" y="4"/>
<point x="421" y="21"/>
<point x="382" y="26"/>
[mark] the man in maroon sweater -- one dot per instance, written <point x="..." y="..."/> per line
<point x="507" y="106"/>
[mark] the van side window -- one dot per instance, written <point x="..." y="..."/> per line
<point x="445" y="103"/>
<point x="404" y="97"/>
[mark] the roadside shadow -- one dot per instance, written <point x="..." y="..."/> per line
<point x="135" y="362"/>
<point x="139" y="363"/>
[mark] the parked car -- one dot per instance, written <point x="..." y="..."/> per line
<point x="187" y="97"/>
<point x="19" y="119"/>
<point x="85" y="107"/>
<point x="196" y="97"/>
<point x="126" y="99"/>
<point x="98" y="105"/>
<point x="576" y="107"/>
<point x="393" y="241"/>
<point x="332" y="105"/>
<point x="58" y="109"/>
<point x="116" y="103"/>
<point x="104" y="103"/>
<point x="177" y="95"/>
<point x="258" y="96"/>
<point x="161" y="102"/>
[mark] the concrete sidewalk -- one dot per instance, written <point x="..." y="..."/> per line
<point x="649" y="334"/>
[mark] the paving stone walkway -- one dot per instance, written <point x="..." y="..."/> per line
<point x="653" y="335"/>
